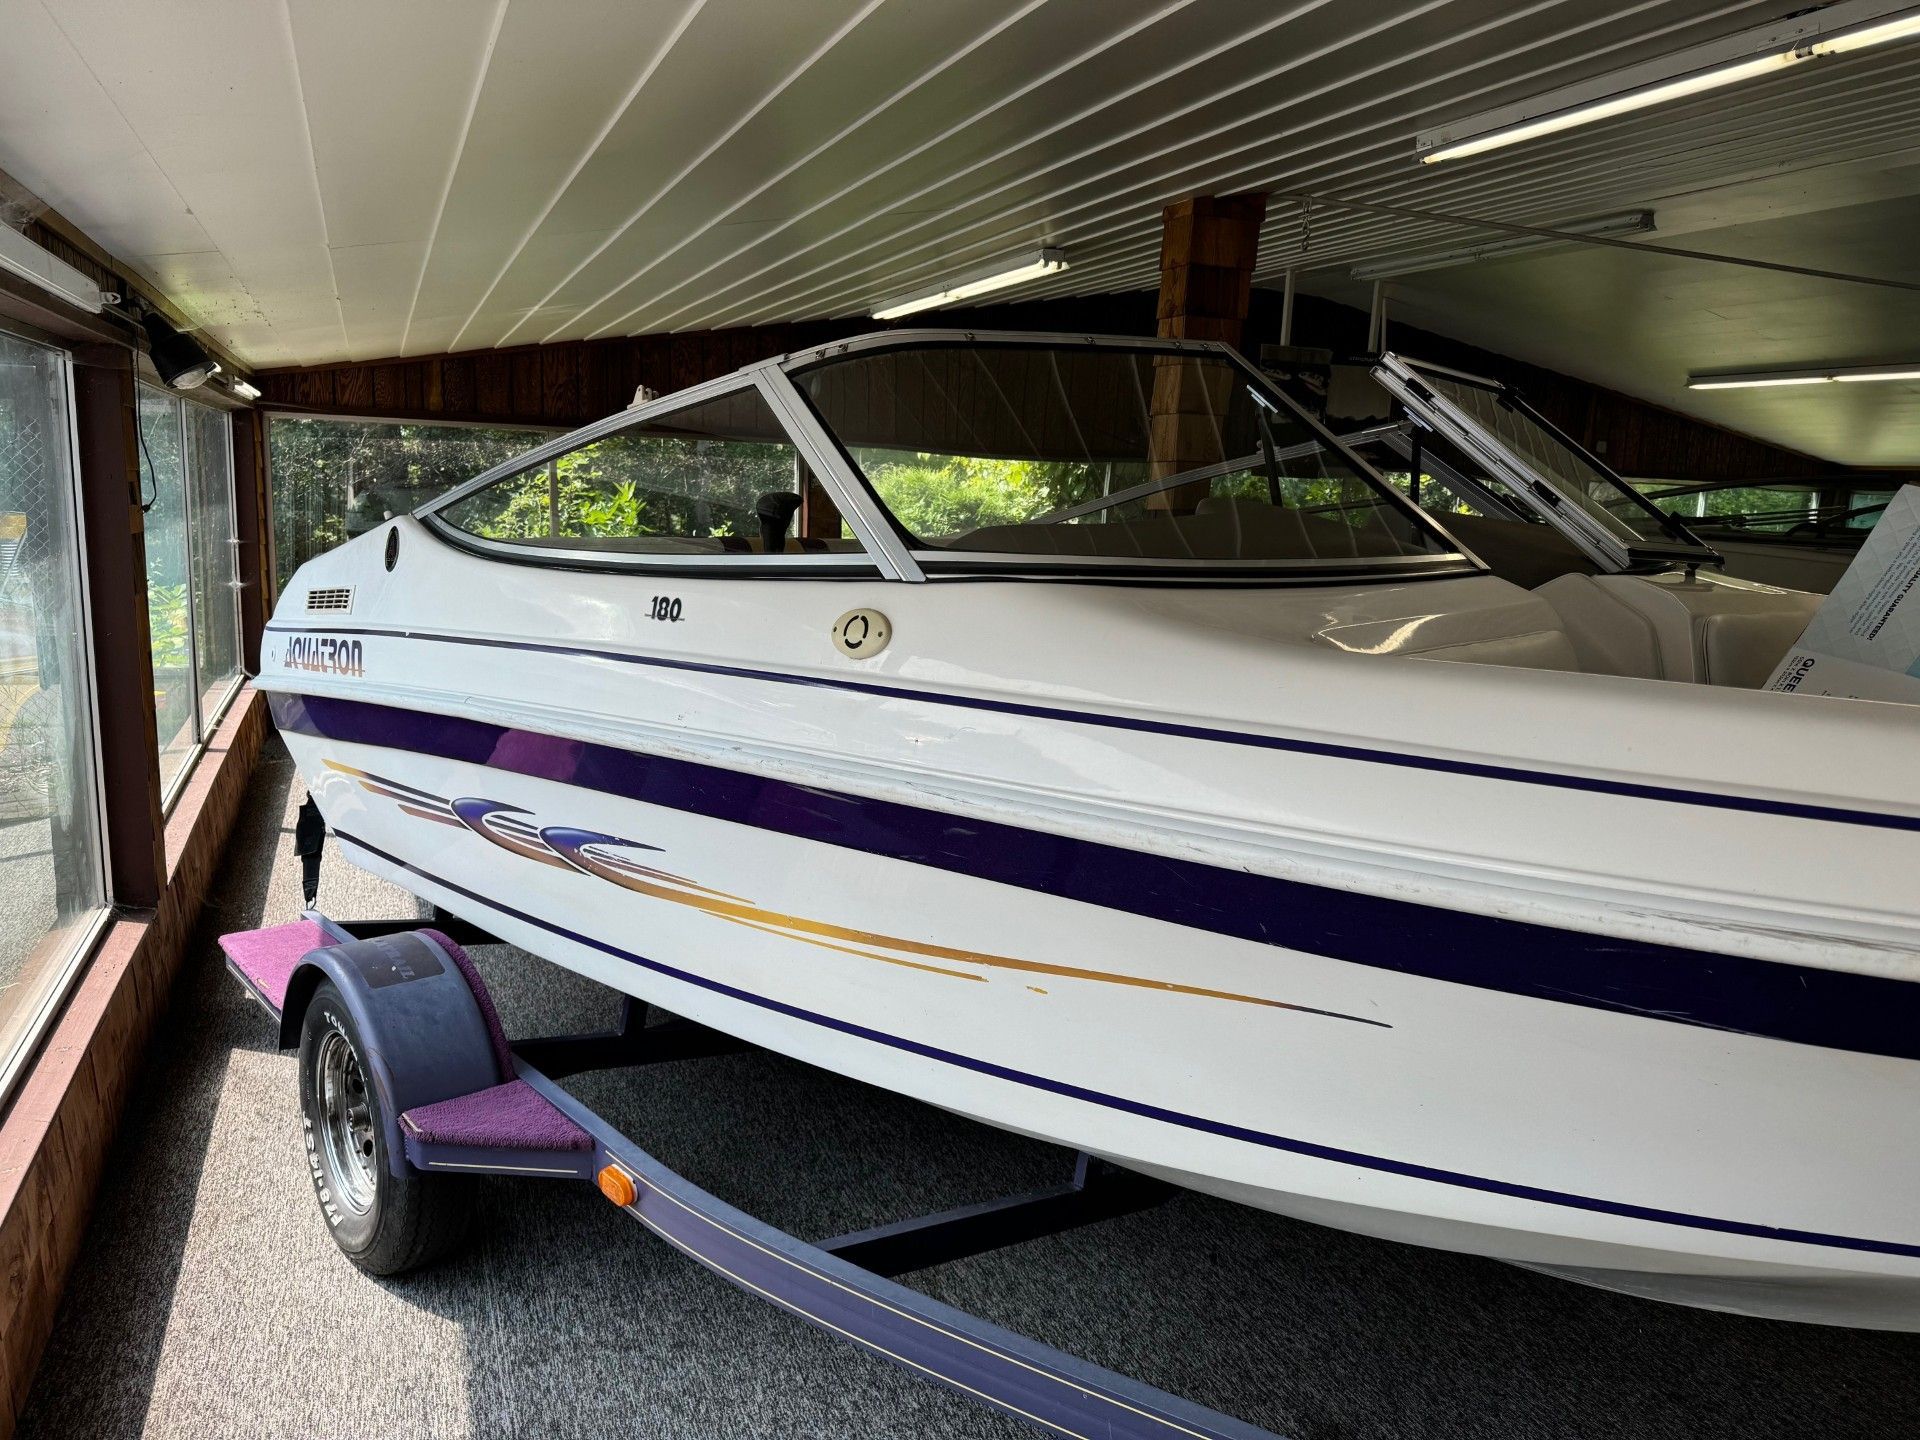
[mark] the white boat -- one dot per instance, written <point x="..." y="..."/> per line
<point x="1069" y="733"/>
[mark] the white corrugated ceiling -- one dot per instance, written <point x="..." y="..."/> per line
<point x="329" y="179"/>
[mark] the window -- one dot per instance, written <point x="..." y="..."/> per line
<point x="1863" y="508"/>
<point x="1480" y="508"/>
<point x="50" y="866"/>
<point x="718" y="478"/>
<point x="1773" y="508"/>
<point x="216" y="611"/>
<point x="169" y="612"/>
<point x="192" y="600"/>
<point x="335" y="479"/>
<point x="1570" y="471"/>
<point x="1450" y="483"/>
<point x="1106" y="454"/>
<point x="1810" y="510"/>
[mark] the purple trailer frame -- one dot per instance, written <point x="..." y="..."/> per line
<point x="841" y="1285"/>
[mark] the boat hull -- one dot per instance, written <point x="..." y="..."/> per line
<point x="1405" y="1074"/>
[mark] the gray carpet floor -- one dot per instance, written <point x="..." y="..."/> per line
<point x="210" y="1302"/>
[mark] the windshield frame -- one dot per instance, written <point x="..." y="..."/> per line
<point x="1404" y="378"/>
<point x="1456" y="559"/>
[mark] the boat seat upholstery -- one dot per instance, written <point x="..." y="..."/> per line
<point x="1219" y="530"/>
<point x="1709" y="630"/>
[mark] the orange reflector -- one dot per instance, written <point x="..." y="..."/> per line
<point x="616" y="1185"/>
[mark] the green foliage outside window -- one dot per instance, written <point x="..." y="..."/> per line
<point x="630" y="486"/>
<point x="935" y="495"/>
<point x="334" y="479"/>
<point x="167" y="625"/>
<point x="944" y="496"/>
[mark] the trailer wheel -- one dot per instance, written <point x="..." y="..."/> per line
<point x="384" y="1223"/>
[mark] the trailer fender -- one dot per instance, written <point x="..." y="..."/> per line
<point x="426" y="1031"/>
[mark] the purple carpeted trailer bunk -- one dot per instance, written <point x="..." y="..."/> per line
<point x="408" y="1081"/>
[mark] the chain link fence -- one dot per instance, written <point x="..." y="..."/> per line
<point x="30" y="727"/>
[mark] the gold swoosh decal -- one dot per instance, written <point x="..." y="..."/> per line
<point x="847" y="940"/>
<point x="863" y="954"/>
<point x="802" y="928"/>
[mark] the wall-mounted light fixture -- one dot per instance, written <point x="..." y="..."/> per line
<point x="182" y="361"/>
<point x="1632" y="222"/>
<point x="997" y="276"/>
<point x="1821" y="375"/>
<point x="1763" y="50"/>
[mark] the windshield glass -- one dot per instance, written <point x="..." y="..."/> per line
<point x="1560" y="463"/>
<point x="1812" y="511"/>
<point x="1105" y="454"/>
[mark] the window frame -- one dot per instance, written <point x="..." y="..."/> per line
<point x="976" y="564"/>
<point x="87" y="930"/>
<point x="205" y="719"/>
<point x="232" y="583"/>
<point x="1406" y="380"/>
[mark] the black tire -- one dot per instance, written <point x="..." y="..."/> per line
<point x="384" y="1223"/>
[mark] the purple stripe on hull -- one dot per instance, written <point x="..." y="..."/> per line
<point x="1160" y="1113"/>
<point x="1659" y="983"/>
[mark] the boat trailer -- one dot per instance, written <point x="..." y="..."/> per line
<point x="440" y="1090"/>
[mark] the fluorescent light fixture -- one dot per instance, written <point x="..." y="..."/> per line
<point x="1867" y="35"/>
<point x="31" y="262"/>
<point x="243" y="389"/>
<point x="1632" y="222"/>
<point x="997" y="276"/>
<point x="1751" y="382"/>
<point x="1825" y="375"/>
<point x="1838" y="29"/>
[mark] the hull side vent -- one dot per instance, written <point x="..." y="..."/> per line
<point x="336" y="599"/>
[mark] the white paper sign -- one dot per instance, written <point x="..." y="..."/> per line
<point x="1864" y="640"/>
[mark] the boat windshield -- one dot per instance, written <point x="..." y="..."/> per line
<point x="1055" y="452"/>
<point x="1610" y="504"/>
<point x="1814" y="512"/>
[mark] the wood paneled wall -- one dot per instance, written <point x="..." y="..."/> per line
<point x="55" y="1137"/>
<point x="564" y="384"/>
<point x="572" y="382"/>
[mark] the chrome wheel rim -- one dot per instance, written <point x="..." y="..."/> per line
<point x="347" y="1139"/>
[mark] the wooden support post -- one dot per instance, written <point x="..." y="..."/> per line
<point x="1207" y="248"/>
<point x="819" y="516"/>
<point x="106" y="413"/>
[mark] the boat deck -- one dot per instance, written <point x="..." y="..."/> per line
<point x="208" y="1299"/>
